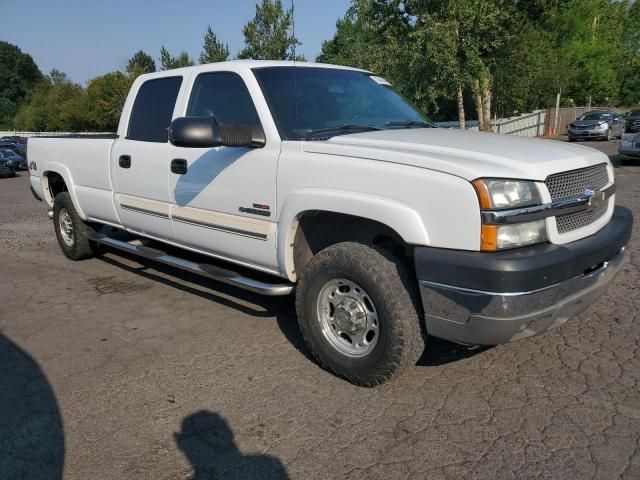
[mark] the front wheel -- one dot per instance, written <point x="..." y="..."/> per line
<point x="358" y="312"/>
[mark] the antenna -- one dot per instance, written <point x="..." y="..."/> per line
<point x="295" y="71"/>
<point x="293" y="30"/>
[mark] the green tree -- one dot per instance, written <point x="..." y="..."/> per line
<point x="213" y="50"/>
<point x="140" y="63"/>
<point x="168" y="62"/>
<point x="55" y="104"/>
<point x="629" y="67"/>
<point x="19" y="74"/>
<point x="267" y="35"/>
<point x="104" y="98"/>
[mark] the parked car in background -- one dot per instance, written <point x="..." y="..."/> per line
<point x="12" y="139"/>
<point x="630" y="148"/>
<point x="18" y="148"/>
<point x="12" y="159"/>
<point x="602" y="125"/>
<point x="5" y="170"/>
<point x="633" y="121"/>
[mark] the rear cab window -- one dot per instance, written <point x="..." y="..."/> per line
<point x="152" y="109"/>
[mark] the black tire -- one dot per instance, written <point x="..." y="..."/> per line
<point x="81" y="247"/>
<point x="571" y="139"/>
<point x="394" y="295"/>
<point x="609" y="135"/>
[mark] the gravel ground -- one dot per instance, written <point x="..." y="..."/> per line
<point x="114" y="369"/>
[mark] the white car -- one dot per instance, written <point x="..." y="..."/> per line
<point x="326" y="179"/>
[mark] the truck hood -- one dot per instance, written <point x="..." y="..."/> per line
<point x="588" y="123"/>
<point x="469" y="155"/>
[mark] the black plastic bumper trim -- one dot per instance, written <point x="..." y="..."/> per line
<point x="527" y="268"/>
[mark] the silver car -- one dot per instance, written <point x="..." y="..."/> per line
<point x="602" y="125"/>
<point x="630" y="148"/>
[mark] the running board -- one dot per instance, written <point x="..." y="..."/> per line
<point x="209" y="271"/>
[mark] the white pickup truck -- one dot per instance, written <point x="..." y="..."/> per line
<point x="323" y="180"/>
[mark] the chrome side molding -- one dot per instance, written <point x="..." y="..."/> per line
<point x="586" y="201"/>
<point x="205" y="270"/>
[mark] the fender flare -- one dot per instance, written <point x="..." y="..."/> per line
<point x="405" y="221"/>
<point x="63" y="171"/>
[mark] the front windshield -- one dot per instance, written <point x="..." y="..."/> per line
<point x="595" y="116"/>
<point x="310" y="103"/>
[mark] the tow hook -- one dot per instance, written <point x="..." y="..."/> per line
<point x="50" y="214"/>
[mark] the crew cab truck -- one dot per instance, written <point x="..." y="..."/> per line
<point x="326" y="182"/>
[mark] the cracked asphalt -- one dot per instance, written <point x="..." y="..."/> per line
<point x="115" y="369"/>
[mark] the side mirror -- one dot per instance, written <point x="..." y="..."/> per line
<point x="206" y="132"/>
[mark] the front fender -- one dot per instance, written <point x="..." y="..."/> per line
<point x="405" y="221"/>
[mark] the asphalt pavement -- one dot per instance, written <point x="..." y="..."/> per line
<point x="115" y="369"/>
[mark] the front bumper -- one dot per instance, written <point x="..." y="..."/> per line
<point x="590" y="133"/>
<point x="631" y="154"/>
<point x="478" y="298"/>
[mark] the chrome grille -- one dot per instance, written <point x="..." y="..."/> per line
<point x="573" y="221"/>
<point x="572" y="184"/>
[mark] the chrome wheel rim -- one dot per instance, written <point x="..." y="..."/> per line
<point x="348" y="318"/>
<point x="66" y="226"/>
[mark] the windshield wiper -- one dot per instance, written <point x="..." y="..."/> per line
<point x="409" y="123"/>
<point x="343" y="127"/>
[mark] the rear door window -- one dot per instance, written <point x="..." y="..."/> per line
<point x="153" y="109"/>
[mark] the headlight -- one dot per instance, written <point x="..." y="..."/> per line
<point x="501" y="194"/>
<point x="499" y="237"/>
<point x="602" y="126"/>
<point x="495" y="194"/>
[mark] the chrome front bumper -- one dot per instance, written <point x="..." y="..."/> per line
<point x="475" y="317"/>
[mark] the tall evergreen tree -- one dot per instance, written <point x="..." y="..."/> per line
<point x="213" y="50"/>
<point x="168" y="62"/>
<point x="267" y="35"/>
<point x="141" y="62"/>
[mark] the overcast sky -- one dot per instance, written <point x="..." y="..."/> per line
<point x="92" y="37"/>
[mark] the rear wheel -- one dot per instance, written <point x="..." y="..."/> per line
<point x="358" y="311"/>
<point x="71" y="230"/>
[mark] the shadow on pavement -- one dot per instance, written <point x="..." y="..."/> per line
<point x="282" y="308"/>
<point x="31" y="434"/>
<point x="207" y="441"/>
<point x="442" y="352"/>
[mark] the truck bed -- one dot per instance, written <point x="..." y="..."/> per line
<point x="84" y="162"/>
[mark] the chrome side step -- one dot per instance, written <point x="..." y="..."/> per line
<point x="209" y="271"/>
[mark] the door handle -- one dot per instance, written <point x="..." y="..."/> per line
<point x="179" y="166"/>
<point x="124" y="161"/>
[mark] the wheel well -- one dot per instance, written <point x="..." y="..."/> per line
<point x="319" y="229"/>
<point x="55" y="185"/>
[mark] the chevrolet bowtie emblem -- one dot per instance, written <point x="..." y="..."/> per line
<point x="596" y="199"/>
